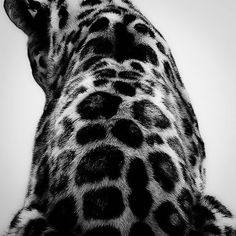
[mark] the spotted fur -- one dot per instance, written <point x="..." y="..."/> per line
<point x="117" y="150"/>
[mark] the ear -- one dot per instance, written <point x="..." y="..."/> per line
<point x="28" y="15"/>
<point x="33" y="17"/>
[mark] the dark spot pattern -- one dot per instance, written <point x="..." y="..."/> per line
<point x="192" y="160"/>
<point x="47" y="112"/>
<point x="177" y="75"/>
<point x="59" y="170"/>
<point x="159" y="76"/>
<point x="124" y="88"/>
<point x="40" y="206"/>
<point x="98" y="45"/>
<point x="229" y="231"/>
<point x="69" y="37"/>
<point x="129" y="18"/>
<point x="100" y="24"/>
<point x="126" y="48"/>
<point x="35" y="227"/>
<point x="128" y="3"/>
<point x="131" y="75"/>
<point x="59" y="3"/>
<point x="60" y="184"/>
<point x="184" y="169"/>
<point x="152" y="34"/>
<point x="193" y="154"/>
<point x="164" y="170"/>
<point x="137" y="66"/>
<point x="154" y="139"/>
<point x="64" y="65"/>
<point x="175" y="145"/>
<point x="99" y="204"/>
<point x="55" y="86"/>
<point x="84" y="14"/>
<point x="73" y="36"/>
<point x="137" y="177"/>
<point x="141" y="28"/>
<point x="42" y="177"/>
<point x="100" y="82"/>
<point x="144" y="52"/>
<point x="99" y="104"/>
<point x="161" y="47"/>
<point x="65" y="159"/>
<point x="141" y="228"/>
<point x="63" y="215"/>
<point x="43" y="136"/>
<point x="16" y="219"/>
<point x="169" y="219"/>
<point x="188" y="128"/>
<point x="185" y="201"/>
<point x="148" y="114"/>
<point x="90" y="133"/>
<point x="99" y="65"/>
<point x="101" y="162"/>
<point x="105" y="73"/>
<point x="76" y="36"/>
<point x="147" y="90"/>
<point x="128" y="132"/>
<point x="85" y="23"/>
<point x="140" y="202"/>
<point x="104" y="231"/>
<point x="144" y="29"/>
<point x="168" y="71"/>
<point x="67" y="132"/>
<point x="201" y="147"/>
<point x="63" y="15"/>
<point x="78" y="91"/>
<point x="194" y="149"/>
<point x="212" y="230"/>
<point x="218" y="206"/>
<point x="111" y="9"/>
<point x="201" y="214"/>
<point x="90" y="2"/>
<point x="140" y="199"/>
<point x="91" y="62"/>
<point x="41" y="140"/>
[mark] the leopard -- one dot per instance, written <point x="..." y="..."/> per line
<point x="117" y="150"/>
